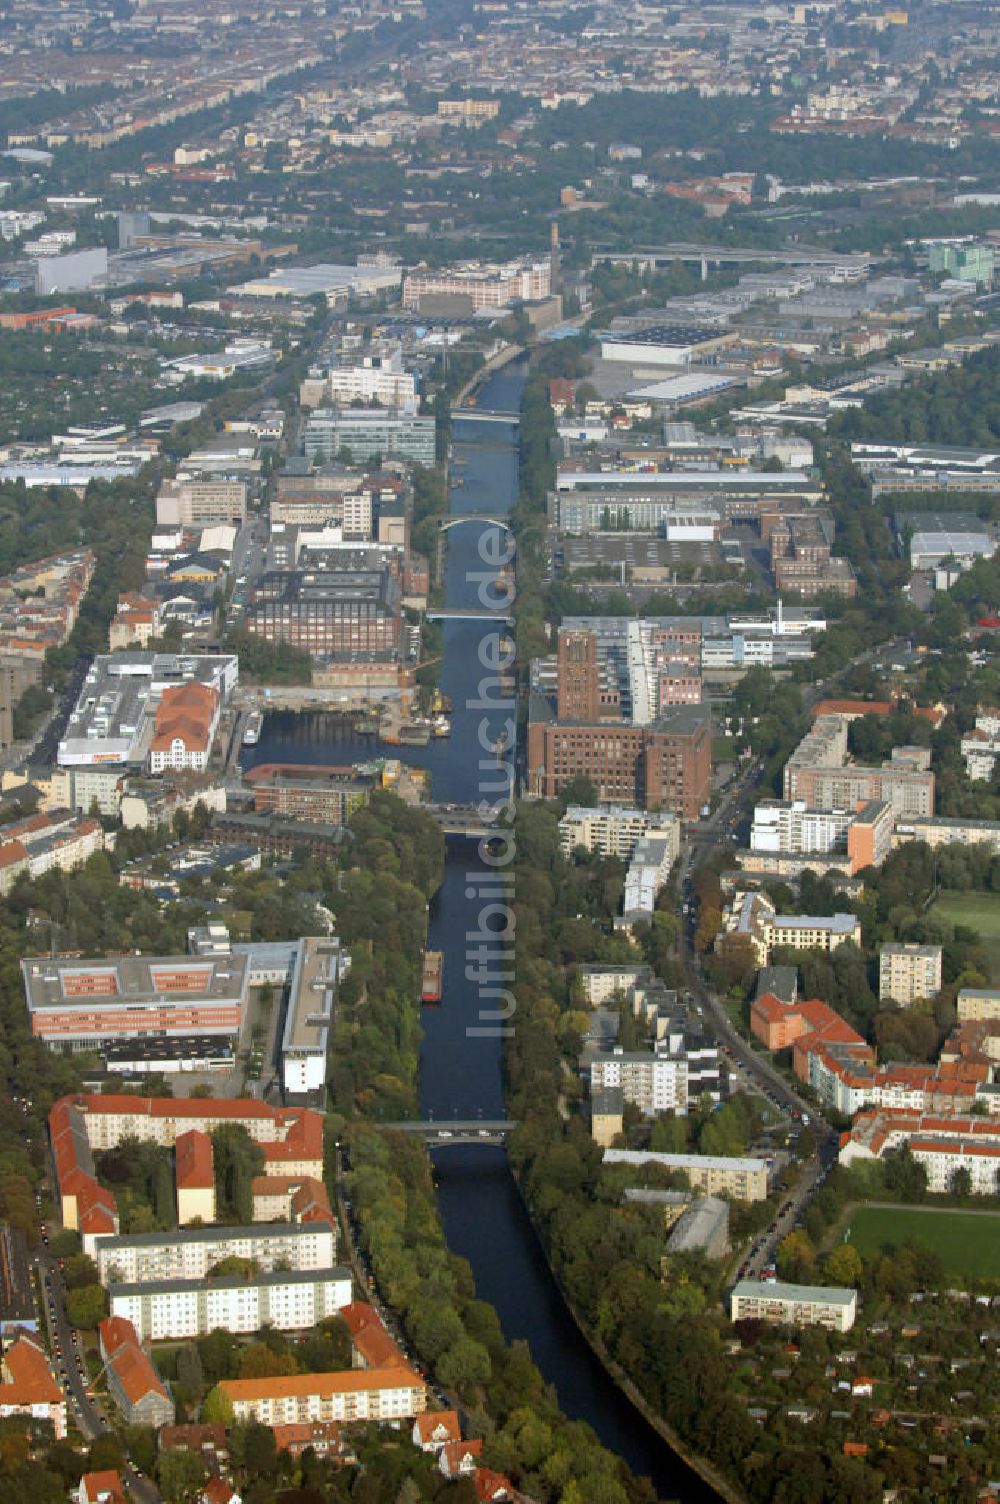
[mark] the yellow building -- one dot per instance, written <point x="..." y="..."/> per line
<point x="195" y="1178"/>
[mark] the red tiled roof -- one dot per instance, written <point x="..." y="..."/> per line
<point x="132" y="1366"/>
<point x="113" y="1332"/>
<point x="185" y="713"/>
<point x="370" y="1338"/>
<point x="27" y="1377"/>
<point x="311" y="1203"/>
<point x="875" y="707"/>
<point x="195" y="1169"/>
<point x="433" y="1420"/>
<point x="455" y="1453"/>
<point x="217" y="1492"/>
<point x="298" y="1435"/>
<point x="770" y="1008"/>
<point x="106" y="1484"/>
<point x="490" y="1485"/>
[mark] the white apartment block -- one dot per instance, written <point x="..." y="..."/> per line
<point x="359" y="1394"/>
<point x="191" y="1252"/>
<point x="602" y="982"/>
<point x="830" y="1306"/>
<point x="616" y="832"/>
<point x="288" y="1302"/>
<point x="788" y="825"/>
<point x="109" y="1119"/>
<point x="743" y="1179"/>
<point x="942" y="1157"/>
<point x="647" y="875"/>
<point x="653" y="1083"/>
<point x="908" y="972"/>
<point x="980" y="747"/>
<point x="947" y="830"/>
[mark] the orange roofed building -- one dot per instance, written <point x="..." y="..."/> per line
<point x="852" y="709"/>
<point x="184" y="728"/>
<point x="290" y="1137"/>
<point x="28" y="1386"/>
<point x="105" y="1487"/>
<point x="459" y="1457"/>
<point x="291" y="1198"/>
<point x="778" y="1025"/>
<point x="133" y="1382"/>
<point x="435" y="1428"/>
<point x="368" y="1394"/>
<point x="941" y="1142"/>
<point x="371" y="1343"/>
<point x="195" y="1177"/>
<point x="322" y="1437"/>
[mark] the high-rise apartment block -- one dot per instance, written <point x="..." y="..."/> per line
<point x="908" y="972"/>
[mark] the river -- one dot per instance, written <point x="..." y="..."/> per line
<point x="460" y="1071"/>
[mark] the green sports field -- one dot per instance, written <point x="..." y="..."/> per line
<point x="977" y="911"/>
<point x="967" y="1243"/>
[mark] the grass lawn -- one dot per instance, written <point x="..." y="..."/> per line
<point x="978" y="911"/>
<point x="966" y="1242"/>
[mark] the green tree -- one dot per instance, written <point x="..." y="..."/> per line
<point x="87" y="1306"/>
<point x="843" y="1265"/>
<point x="218" y="1408"/>
<point x="140" y="1444"/>
<point x="180" y="1474"/>
<point x="669" y="1135"/>
<point x="79" y="1270"/>
<point x="465" y="1364"/>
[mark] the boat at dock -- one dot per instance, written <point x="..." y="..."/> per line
<point x="432" y="977"/>
<point x="252" y="730"/>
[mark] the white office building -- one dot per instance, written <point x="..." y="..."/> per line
<point x="320" y="965"/>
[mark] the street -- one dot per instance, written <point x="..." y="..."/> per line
<point x="720" y="830"/>
<point x="67" y="1359"/>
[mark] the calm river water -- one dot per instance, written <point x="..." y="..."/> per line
<point x="460" y="1072"/>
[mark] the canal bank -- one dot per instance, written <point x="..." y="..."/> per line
<point x="484" y="1218"/>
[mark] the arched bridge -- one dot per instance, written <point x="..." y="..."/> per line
<point x="451" y="522"/>
<point x="456" y="1130"/>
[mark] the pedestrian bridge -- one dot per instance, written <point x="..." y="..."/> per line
<point x="456" y="1130"/>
